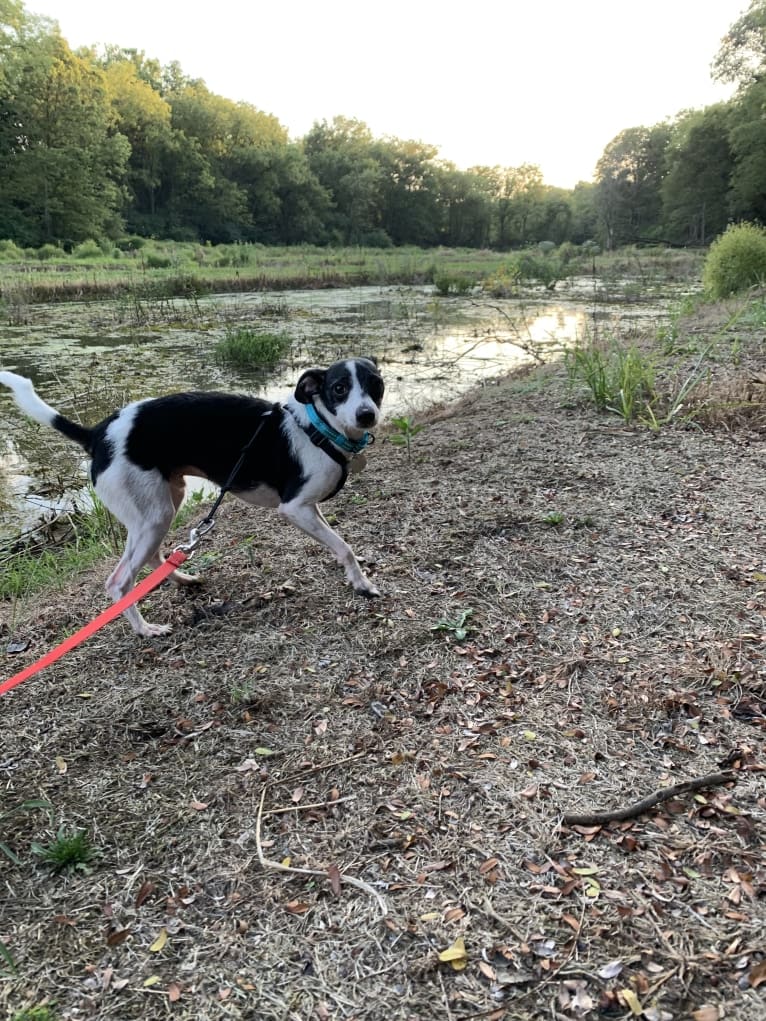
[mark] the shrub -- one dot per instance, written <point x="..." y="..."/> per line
<point x="156" y="260"/>
<point x="453" y="283"/>
<point x="89" y="249"/>
<point x="46" y="252"/>
<point x="542" y="269"/>
<point x="131" y="244"/>
<point x="505" y="281"/>
<point x="9" y="251"/>
<point x="247" y="349"/>
<point x="736" y="261"/>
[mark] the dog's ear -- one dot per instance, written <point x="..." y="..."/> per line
<point x="309" y="384"/>
<point x="370" y="358"/>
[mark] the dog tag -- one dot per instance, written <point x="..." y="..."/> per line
<point x="357" y="463"/>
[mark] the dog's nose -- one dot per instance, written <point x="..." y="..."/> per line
<point x="365" y="418"/>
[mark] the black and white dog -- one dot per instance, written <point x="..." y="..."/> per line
<point x="299" y="454"/>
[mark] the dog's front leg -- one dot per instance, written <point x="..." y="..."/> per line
<point x="309" y="519"/>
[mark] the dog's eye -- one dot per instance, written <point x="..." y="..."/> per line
<point x="340" y="389"/>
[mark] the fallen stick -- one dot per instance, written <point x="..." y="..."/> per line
<point x="269" y="863"/>
<point x="639" y="807"/>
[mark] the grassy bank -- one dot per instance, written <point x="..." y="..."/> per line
<point x="180" y="269"/>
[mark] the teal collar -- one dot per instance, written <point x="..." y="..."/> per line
<point x="327" y="431"/>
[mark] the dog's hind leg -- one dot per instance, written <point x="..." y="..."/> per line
<point x="309" y="519"/>
<point x="142" y="502"/>
<point x="177" y="493"/>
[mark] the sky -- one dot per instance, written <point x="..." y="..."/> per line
<point x="550" y="82"/>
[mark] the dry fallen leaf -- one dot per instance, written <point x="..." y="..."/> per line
<point x="117" y="936"/>
<point x="632" y="1001"/>
<point x="144" y="892"/>
<point x="455" y="955"/>
<point x="757" y="974"/>
<point x="611" y="970"/>
<point x="333" y="874"/>
<point x="160" y="942"/>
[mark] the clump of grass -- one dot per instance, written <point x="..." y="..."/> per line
<point x="41" y="1013"/>
<point x="619" y="379"/>
<point x="68" y="850"/>
<point x="553" y="519"/>
<point x="454" y="283"/>
<point x="92" y="535"/>
<point x="246" y="348"/>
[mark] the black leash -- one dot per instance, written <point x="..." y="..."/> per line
<point x="209" y="520"/>
<point x="233" y="474"/>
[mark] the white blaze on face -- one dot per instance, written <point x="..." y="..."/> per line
<point x="357" y="402"/>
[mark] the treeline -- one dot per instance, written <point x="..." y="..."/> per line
<point x="97" y="144"/>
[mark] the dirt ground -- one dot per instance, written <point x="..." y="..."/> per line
<point x="572" y="619"/>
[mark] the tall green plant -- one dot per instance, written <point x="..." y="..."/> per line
<point x="618" y="379"/>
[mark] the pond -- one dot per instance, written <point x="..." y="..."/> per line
<point x="88" y="358"/>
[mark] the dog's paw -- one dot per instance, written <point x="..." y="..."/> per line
<point x="368" y="591"/>
<point x="154" y="630"/>
<point x="182" y="578"/>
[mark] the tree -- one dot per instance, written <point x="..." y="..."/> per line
<point x="628" y="176"/>
<point x="143" y="117"/>
<point x="63" y="162"/>
<point x="584" y="226"/>
<point x="742" y="56"/>
<point x="465" y="208"/>
<point x="342" y="157"/>
<point x="748" y="145"/>
<point x="695" y="190"/>
<point x="408" y="191"/>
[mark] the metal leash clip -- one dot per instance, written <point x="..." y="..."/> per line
<point x="196" y="534"/>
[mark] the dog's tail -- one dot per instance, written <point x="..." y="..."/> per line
<point x="34" y="406"/>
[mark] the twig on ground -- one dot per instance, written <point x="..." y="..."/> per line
<point x="639" y="807"/>
<point x="268" y="863"/>
<point x="305" y="808"/>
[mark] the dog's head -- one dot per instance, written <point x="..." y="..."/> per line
<point x="348" y="394"/>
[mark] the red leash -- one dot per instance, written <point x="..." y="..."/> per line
<point x="176" y="558"/>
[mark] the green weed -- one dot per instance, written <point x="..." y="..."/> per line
<point x="406" y="431"/>
<point x="67" y="851"/>
<point x="453" y="283"/>
<point x="6" y="961"/>
<point x="459" y="627"/>
<point x="554" y="519"/>
<point x="35" y="1014"/>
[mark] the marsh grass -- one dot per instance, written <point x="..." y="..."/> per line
<point x="176" y="268"/>
<point x="246" y="348"/>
